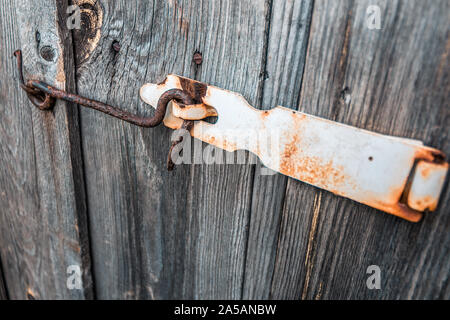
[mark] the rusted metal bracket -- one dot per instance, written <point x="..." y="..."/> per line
<point x="396" y="175"/>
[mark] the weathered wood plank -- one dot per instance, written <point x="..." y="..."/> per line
<point x="131" y="197"/>
<point x="152" y="232"/>
<point x="43" y="216"/>
<point x="286" y="54"/>
<point x="393" y="81"/>
<point x="3" y="293"/>
<point x="220" y="195"/>
<point x="184" y="234"/>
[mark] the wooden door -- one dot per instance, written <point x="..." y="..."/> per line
<point x="79" y="188"/>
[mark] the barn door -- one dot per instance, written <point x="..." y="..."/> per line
<point x="87" y="195"/>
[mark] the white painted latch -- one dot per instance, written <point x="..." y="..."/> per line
<point x="396" y="175"/>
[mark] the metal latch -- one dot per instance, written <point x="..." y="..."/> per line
<point x="396" y="175"/>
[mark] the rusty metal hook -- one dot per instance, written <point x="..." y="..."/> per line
<point x="41" y="100"/>
<point x="43" y="96"/>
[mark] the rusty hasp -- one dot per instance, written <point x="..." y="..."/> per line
<point x="396" y="175"/>
<point x="399" y="176"/>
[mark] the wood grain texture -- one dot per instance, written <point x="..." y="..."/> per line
<point x="214" y="231"/>
<point x="157" y="234"/>
<point x="393" y="81"/>
<point x="131" y="197"/>
<point x="220" y="195"/>
<point x="287" y="39"/>
<point x="43" y="216"/>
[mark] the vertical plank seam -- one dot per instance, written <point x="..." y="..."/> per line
<point x="308" y="36"/>
<point x="280" y="218"/>
<point x="310" y="250"/>
<point x="3" y="280"/>
<point x="277" y="244"/>
<point x="264" y="57"/>
<point x="317" y="201"/>
<point x="83" y="172"/>
<point x="308" y="44"/>
<point x="342" y="65"/>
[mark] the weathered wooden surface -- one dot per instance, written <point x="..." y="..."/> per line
<point x="151" y="230"/>
<point x="215" y="231"/>
<point x="137" y="209"/>
<point x="287" y="39"/>
<point x="3" y="293"/>
<point x="219" y="198"/>
<point x="43" y="214"/>
<point x="392" y="81"/>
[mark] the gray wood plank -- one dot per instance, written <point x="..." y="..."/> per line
<point x="220" y="195"/>
<point x="3" y="292"/>
<point x="43" y="220"/>
<point x="131" y="197"/>
<point x="286" y="54"/>
<point x="151" y="230"/>
<point x="393" y="81"/>
<point x="3" y="295"/>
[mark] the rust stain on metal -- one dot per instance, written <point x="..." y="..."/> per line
<point x="42" y="95"/>
<point x="426" y="202"/>
<point x="193" y="111"/>
<point x="426" y="172"/>
<point x="313" y="171"/>
<point x="287" y="165"/>
<point x="173" y="94"/>
<point x="393" y="205"/>
<point x="311" y="151"/>
<point x="428" y="154"/>
<point x="187" y="125"/>
<point x="330" y="176"/>
<point x="196" y="89"/>
<point x="341" y="159"/>
<point x="403" y="211"/>
<point x="220" y="142"/>
<point x="424" y="190"/>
